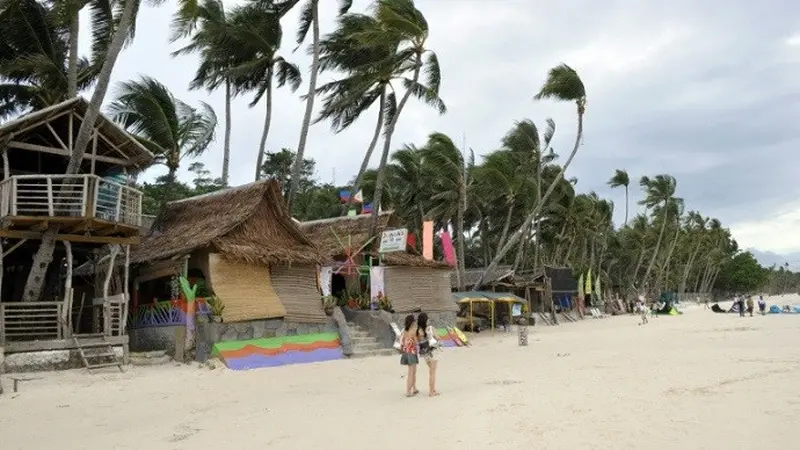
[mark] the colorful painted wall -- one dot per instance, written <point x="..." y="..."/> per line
<point x="448" y="338"/>
<point x="279" y="351"/>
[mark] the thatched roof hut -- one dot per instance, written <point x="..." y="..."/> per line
<point x="248" y="224"/>
<point x="329" y="235"/>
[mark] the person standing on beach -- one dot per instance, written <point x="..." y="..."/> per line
<point x="410" y="358"/>
<point x="641" y="307"/>
<point x="740" y="303"/>
<point x="762" y="305"/>
<point x="750" y="307"/>
<point x="428" y="349"/>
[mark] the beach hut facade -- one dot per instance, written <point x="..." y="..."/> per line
<point x="243" y="249"/>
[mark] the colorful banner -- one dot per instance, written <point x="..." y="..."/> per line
<point x="376" y="285"/>
<point x="344" y="196"/>
<point x="427" y="240"/>
<point x="449" y="250"/>
<point x="367" y="208"/>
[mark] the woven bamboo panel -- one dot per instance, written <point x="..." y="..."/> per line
<point x="297" y="289"/>
<point x="409" y="288"/>
<point x="245" y="289"/>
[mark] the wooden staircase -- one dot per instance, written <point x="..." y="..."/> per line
<point x="96" y="352"/>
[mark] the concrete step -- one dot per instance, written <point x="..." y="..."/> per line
<point x="153" y="358"/>
<point x="362" y="339"/>
<point x="366" y="346"/>
<point x="152" y="361"/>
<point x="377" y="352"/>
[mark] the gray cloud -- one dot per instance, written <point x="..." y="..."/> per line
<point x="706" y="91"/>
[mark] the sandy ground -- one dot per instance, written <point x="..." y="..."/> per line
<point x="698" y="381"/>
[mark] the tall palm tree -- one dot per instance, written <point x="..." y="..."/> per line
<point x="563" y="83"/>
<point x="369" y="72"/>
<point x="621" y="178"/>
<point x="400" y="21"/>
<point x="169" y="128"/>
<point x="309" y="19"/>
<point x="659" y="191"/>
<point x="257" y="67"/>
<point x="44" y="256"/>
<point x="207" y="26"/>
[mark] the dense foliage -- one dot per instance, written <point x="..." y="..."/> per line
<point x="513" y="206"/>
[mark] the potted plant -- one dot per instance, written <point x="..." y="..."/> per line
<point x="328" y="303"/>
<point x="384" y="303"/>
<point x="364" y="301"/>
<point x="216" y="306"/>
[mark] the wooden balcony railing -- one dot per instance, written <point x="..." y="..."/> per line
<point x="31" y="321"/>
<point x="86" y="196"/>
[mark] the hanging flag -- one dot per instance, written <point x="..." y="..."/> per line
<point x="344" y="196"/>
<point x="359" y="197"/>
<point x="427" y="240"/>
<point x="367" y="208"/>
<point x="449" y="250"/>
<point x="412" y="240"/>
<point x="351" y="212"/>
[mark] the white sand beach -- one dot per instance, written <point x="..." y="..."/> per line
<point x="697" y="381"/>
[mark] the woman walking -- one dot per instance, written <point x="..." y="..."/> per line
<point x="410" y="358"/>
<point x="427" y="349"/>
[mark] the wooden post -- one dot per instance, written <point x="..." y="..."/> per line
<point x="127" y="271"/>
<point x="67" y="314"/>
<point x="106" y="283"/>
<point x="94" y="153"/>
<point x="13" y="196"/>
<point x="119" y="204"/>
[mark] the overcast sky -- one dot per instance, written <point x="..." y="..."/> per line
<point x="705" y="91"/>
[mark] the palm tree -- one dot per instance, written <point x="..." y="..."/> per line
<point x="309" y="19"/>
<point x="564" y="84"/>
<point x="36" y="70"/>
<point x="207" y="26"/>
<point x="44" y="256"/>
<point x="621" y="178"/>
<point x="257" y="67"/>
<point x="368" y="80"/>
<point x="169" y="128"/>
<point x="659" y="191"/>
<point x="400" y="21"/>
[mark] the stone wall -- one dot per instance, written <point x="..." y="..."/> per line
<point x="154" y="338"/>
<point x="210" y="333"/>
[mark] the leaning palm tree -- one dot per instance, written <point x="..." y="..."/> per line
<point x="169" y="128"/>
<point x="369" y="73"/>
<point x="309" y="19"/>
<point x="621" y="178"/>
<point x="400" y="21"/>
<point x="124" y="24"/>
<point x="659" y="191"/>
<point x="564" y="84"/>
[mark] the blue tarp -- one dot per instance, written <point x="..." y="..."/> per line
<point x="775" y="309"/>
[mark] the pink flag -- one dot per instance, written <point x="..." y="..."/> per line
<point x="427" y="240"/>
<point x="449" y="250"/>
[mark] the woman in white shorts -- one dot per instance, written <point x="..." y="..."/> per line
<point x="428" y="351"/>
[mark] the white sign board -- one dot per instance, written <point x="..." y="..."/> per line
<point x="394" y="240"/>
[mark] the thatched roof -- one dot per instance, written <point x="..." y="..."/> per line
<point x="248" y="223"/>
<point x="355" y="231"/>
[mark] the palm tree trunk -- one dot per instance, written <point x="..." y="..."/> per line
<point x="387" y="145"/>
<point x="626" y="205"/>
<point x="72" y="69"/>
<point x="312" y="88"/>
<point x="462" y="208"/>
<point x="529" y="219"/>
<point x="226" y="149"/>
<point x="506" y="226"/>
<point x="267" y="120"/>
<point x="658" y="244"/>
<point x="44" y="256"/>
<point x="664" y="266"/>
<point x="521" y="248"/>
<point x="372" y="144"/>
<point x="688" y="268"/>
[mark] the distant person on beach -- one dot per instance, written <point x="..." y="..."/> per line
<point x="428" y="347"/>
<point x="410" y="357"/>
<point x="740" y="303"/>
<point x="750" y="307"/>
<point x="641" y="308"/>
<point x="762" y="305"/>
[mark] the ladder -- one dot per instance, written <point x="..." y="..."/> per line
<point x="96" y="352"/>
<point x="545" y="319"/>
